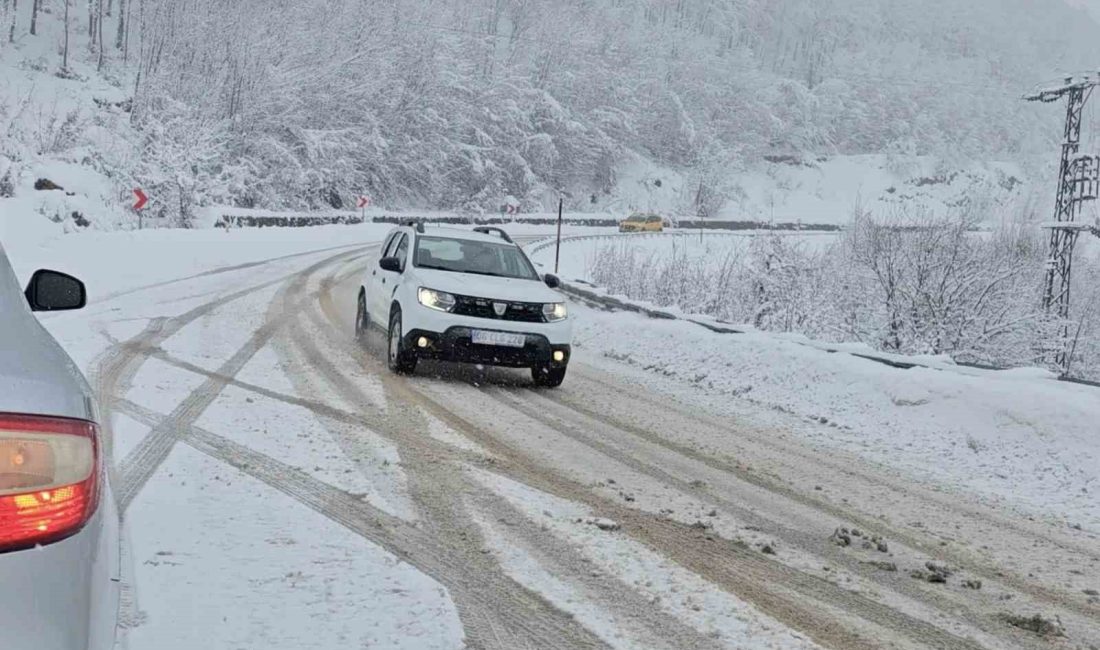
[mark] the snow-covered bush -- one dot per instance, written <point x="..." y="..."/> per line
<point x="930" y="285"/>
<point x="942" y="286"/>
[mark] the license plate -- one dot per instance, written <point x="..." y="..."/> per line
<point x="482" y="337"/>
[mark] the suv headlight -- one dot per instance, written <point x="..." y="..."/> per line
<point x="438" y="300"/>
<point x="554" y="311"/>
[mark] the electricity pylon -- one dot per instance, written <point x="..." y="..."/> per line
<point x="1079" y="181"/>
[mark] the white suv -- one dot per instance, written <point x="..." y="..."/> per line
<point x="467" y="296"/>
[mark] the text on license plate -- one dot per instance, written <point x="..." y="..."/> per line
<point x="482" y="337"/>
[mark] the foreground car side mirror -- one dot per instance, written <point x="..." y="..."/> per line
<point x="390" y="264"/>
<point x="551" y="280"/>
<point x="54" y="291"/>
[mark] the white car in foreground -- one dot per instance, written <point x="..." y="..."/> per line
<point x="59" y="560"/>
<point x="466" y="296"/>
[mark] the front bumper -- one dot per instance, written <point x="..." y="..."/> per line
<point x="418" y="317"/>
<point x="455" y="344"/>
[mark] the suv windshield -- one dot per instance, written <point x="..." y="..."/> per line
<point x="470" y="256"/>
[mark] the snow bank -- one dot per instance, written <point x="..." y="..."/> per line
<point x="1017" y="436"/>
<point x="828" y="189"/>
<point x="113" y="262"/>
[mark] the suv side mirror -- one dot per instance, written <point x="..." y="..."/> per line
<point x="551" y="280"/>
<point x="390" y="264"/>
<point x="54" y="291"/>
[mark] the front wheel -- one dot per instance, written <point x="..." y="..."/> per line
<point x="400" y="360"/>
<point x="547" y="376"/>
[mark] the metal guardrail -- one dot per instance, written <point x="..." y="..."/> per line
<point x="287" y="221"/>
<point x="543" y="244"/>
<point x="310" y="220"/>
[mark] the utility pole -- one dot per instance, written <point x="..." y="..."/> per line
<point x="557" y="250"/>
<point x="1079" y="181"/>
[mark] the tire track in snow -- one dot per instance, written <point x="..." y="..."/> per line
<point x="513" y="616"/>
<point x="991" y="573"/>
<point x="217" y="271"/>
<point x="645" y="459"/>
<point x="1032" y="533"/>
<point x="820" y="620"/>
<point x="144" y="460"/>
<point x="826" y="612"/>
<point x="417" y="547"/>
<point x="112" y="372"/>
<point x="630" y="609"/>
<point x="318" y="408"/>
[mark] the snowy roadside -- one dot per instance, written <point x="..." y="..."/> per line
<point x="265" y="568"/>
<point x="1016" y="437"/>
<point x="113" y="262"/>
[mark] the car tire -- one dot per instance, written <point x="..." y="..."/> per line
<point x="362" y="319"/>
<point x="548" y="376"/>
<point x="400" y="359"/>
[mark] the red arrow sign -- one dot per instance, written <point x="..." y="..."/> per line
<point x="140" y="199"/>
<point x="363" y="202"/>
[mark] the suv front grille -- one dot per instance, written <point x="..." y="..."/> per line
<point x="524" y="312"/>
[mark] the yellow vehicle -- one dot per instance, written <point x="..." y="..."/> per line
<point x="639" y="222"/>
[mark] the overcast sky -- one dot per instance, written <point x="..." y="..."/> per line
<point x="1092" y="5"/>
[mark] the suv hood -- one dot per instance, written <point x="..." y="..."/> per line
<point x="486" y="286"/>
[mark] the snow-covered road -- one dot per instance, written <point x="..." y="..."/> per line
<point x="282" y="490"/>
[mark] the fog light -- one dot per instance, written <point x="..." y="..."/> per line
<point x="422" y="341"/>
<point x="559" y="356"/>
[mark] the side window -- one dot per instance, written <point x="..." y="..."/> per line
<point x="654" y="220"/>
<point x="402" y="251"/>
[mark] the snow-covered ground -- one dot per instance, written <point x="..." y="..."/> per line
<point x="259" y="529"/>
<point x="218" y="558"/>
<point x="705" y="247"/>
<point x="827" y="189"/>
<point x="69" y="130"/>
<point x="1019" y="437"/>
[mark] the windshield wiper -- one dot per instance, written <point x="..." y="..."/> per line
<point x="490" y="273"/>
<point x="433" y="267"/>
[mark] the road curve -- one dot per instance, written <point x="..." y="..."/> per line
<point x="747" y="510"/>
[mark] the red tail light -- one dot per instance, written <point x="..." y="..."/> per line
<point x="49" y="479"/>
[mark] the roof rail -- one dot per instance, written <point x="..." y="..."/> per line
<point x="414" y="223"/>
<point x="493" y="230"/>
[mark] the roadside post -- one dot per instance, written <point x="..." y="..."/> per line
<point x="140" y="201"/>
<point x="557" y="252"/>
<point x="362" y="203"/>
